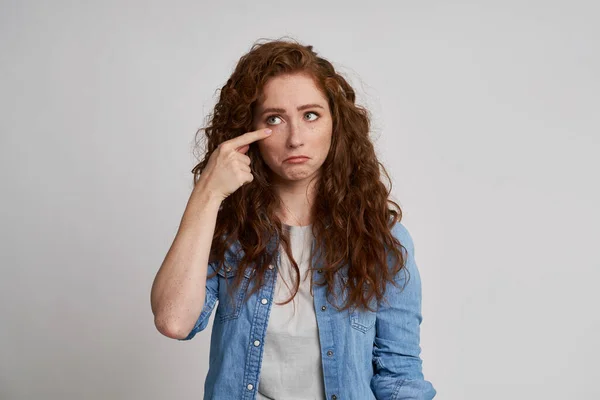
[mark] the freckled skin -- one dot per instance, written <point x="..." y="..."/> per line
<point x="307" y="132"/>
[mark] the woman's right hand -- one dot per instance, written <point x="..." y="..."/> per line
<point x="228" y="167"/>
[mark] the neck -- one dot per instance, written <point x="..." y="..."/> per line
<point x="297" y="200"/>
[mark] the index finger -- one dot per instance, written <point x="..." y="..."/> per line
<point x="249" y="137"/>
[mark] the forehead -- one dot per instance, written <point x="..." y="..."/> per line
<point x="290" y="89"/>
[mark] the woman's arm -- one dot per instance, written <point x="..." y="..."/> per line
<point x="396" y="351"/>
<point x="179" y="289"/>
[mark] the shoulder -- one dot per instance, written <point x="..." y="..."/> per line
<point x="410" y="270"/>
<point x="400" y="232"/>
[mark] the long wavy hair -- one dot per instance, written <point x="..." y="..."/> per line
<point x="351" y="216"/>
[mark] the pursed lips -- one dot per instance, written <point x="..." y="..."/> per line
<point x="295" y="158"/>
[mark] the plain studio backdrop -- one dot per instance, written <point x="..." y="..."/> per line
<point x="486" y="115"/>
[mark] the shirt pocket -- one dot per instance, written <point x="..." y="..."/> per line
<point x="361" y="319"/>
<point x="230" y="306"/>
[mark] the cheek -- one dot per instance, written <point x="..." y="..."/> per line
<point x="266" y="149"/>
<point x="325" y="141"/>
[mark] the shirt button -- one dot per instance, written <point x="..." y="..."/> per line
<point x="271" y="266"/>
<point x="330" y="353"/>
<point x="257" y="343"/>
<point x="250" y="387"/>
<point x="320" y="271"/>
<point x="264" y="301"/>
<point x="333" y="397"/>
<point x="323" y="308"/>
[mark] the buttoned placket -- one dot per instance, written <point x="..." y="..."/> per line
<point x="258" y="332"/>
<point x="326" y="339"/>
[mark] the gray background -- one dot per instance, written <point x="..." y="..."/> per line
<point x="485" y="114"/>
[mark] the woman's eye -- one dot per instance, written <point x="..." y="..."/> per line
<point x="269" y="118"/>
<point x="314" y="113"/>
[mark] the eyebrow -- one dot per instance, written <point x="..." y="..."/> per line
<point x="281" y="110"/>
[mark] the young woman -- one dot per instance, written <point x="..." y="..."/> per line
<point x="288" y="231"/>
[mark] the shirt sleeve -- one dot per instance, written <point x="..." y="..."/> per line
<point x="396" y="351"/>
<point x="210" y="300"/>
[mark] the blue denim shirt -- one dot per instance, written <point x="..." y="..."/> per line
<point x="365" y="354"/>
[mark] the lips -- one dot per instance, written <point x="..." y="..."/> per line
<point x="295" y="158"/>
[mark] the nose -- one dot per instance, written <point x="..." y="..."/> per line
<point x="296" y="133"/>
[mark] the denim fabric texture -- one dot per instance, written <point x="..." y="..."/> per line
<point x="365" y="354"/>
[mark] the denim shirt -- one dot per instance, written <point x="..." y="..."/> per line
<point x="365" y="354"/>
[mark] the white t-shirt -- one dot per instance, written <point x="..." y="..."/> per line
<point x="291" y="367"/>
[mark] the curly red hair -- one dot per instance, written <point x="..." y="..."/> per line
<point x="352" y="220"/>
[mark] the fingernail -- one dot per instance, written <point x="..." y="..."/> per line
<point x="268" y="130"/>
